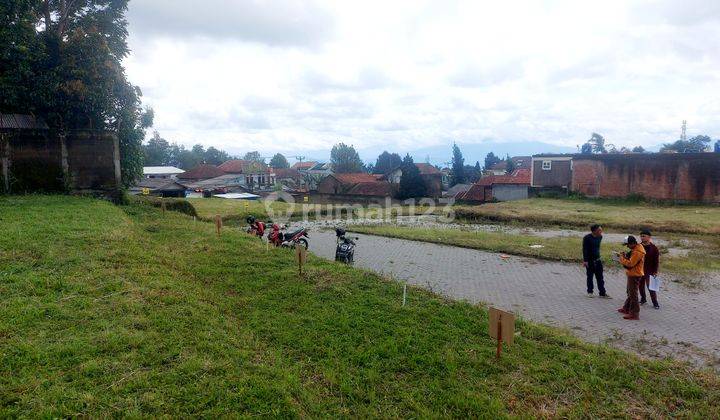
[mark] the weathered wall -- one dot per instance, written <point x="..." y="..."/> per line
<point x="433" y="182"/>
<point x="508" y="192"/>
<point x="677" y="176"/>
<point x="45" y="160"/>
<point x="560" y="174"/>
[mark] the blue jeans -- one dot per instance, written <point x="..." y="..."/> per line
<point x="595" y="268"/>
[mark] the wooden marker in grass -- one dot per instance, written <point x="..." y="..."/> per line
<point x="300" y="256"/>
<point x="163" y="206"/>
<point x="218" y="224"/>
<point x="502" y="328"/>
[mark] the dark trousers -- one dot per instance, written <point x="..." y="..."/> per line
<point x="595" y="268"/>
<point x="642" y="284"/>
<point x="632" y="305"/>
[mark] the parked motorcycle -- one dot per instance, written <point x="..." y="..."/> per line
<point x="345" y="250"/>
<point x="275" y="235"/>
<point x="256" y="227"/>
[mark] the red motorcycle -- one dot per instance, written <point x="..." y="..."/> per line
<point x="257" y="228"/>
<point x="275" y="235"/>
<point x="297" y="237"/>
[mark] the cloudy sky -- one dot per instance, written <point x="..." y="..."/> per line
<point x="292" y="76"/>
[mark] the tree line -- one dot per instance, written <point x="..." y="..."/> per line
<point x="697" y="144"/>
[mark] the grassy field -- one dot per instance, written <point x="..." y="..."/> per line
<point x="583" y="212"/>
<point x="123" y="311"/>
<point x="701" y="259"/>
<point x="239" y="210"/>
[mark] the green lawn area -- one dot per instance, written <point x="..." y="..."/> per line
<point x="124" y="311"/>
<point x="239" y="210"/>
<point x="584" y="212"/>
<point x="701" y="259"/>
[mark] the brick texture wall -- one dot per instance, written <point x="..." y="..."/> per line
<point x="676" y="177"/>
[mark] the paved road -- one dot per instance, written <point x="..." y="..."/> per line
<point x="686" y="327"/>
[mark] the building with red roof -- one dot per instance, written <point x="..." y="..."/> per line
<point x="498" y="188"/>
<point x="355" y="184"/>
<point x="201" y="172"/>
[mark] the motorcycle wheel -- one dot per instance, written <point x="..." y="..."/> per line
<point x="304" y="242"/>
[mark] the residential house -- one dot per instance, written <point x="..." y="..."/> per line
<point x="315" y="174"/>
<point x="500" y="168"/>
<point x="253" y="176"/>
<point x="161" y="172"/>
<point x="200" y="172"/>
<point x="456" y="189"/>
<point x="303" y="166"/>
<point x="498" y="188"/>
<point x="432" y="176"/>
<point x="159" y="187"/>
<point x="290" y="179"/>
<point x="343" y="183"/>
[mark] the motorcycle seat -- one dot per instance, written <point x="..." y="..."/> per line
<point x="291" y="234"/>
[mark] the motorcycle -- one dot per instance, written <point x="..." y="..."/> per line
<point x="256" y="228"/>
<point x="299" y="236"/>
<point x="345" y="249"/>
<point x="275" y="235"/>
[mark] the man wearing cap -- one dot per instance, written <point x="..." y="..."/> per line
<point x="650" y="267"/>
<point x="634" y="268"/>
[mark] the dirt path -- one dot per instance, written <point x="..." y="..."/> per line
<point x="686" y="327"/>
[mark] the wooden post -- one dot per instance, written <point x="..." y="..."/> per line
<point x="218" y="223"/>
<point x="404" y="293"/>
<point x="162" y="205"/>
<point x="300" y="255"/>
<point x="499" y="339"/>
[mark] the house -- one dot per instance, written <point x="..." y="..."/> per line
<point x="320" y="169"/>
<point x="223" y="184"/>
<point x="303" y="166"/>
<point x="432" y="176"/>
<point x="290" y="179"/>
<point x="343" y="183"/>
<point x="256" y="176"/>
<point x="500" y="168"/>
<point x="161" y="172"/>
<point x="200" y="172"/>
<point x="551" y="171"/>
<point x="159" y="187"/>
<point x="498" y="188"/>
<point x="34" y="157"/>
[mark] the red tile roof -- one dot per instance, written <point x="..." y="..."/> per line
<point x="519" y="177"/>
<point x="374" y="188"/>
<point x="303" y="165"/>
<point x="285" y="173"/>
<point x="202" y="172"/>
<point x="427" y="169"/>
<point x="356" y="178"/>
<point x="238" y="166"/>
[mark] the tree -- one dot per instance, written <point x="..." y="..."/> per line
<point x="696" y="144"/>
<point x="597" y="143"/>
<point x="62" y="60"/>
<point x="157" y="151"/>
<point x="279" y="162"/>
<point x="254" y="157"/>
<point x="386" y="162"/>
<point x="472" y="173"/>
<point x="214" y="156"/>
<point x="586" y="149"/>
<point x="638" y="149"/>
<point x="491" y="160"/>
<point x="717" y="146"/>
<point x="510" y="165"/>
<point x="345" y="159"/>
<point x="458" y="166"/>
<point x="412" y="184"/>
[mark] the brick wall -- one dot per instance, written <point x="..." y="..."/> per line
<point x="677" y="177"/>
<point x="45" y="160"/>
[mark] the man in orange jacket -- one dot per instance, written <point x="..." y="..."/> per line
<point x="633" y="264"/>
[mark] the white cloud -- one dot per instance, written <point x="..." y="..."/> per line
<point x="292" y="75"/>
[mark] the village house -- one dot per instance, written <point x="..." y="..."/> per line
<point x="159" y="187"/>
<point x="684" y="177"/>
<point x="432" y="176"/>
<point x="161" y="172"/>
<point x="200" y="173"/>
<point x="500" y="168"/>
<point x="290" y="179"/>
<point x="303" y="166"/>
<point x="498" y="188"/>
<point x="253" y="176"/>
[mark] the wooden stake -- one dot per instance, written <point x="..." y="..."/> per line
<point x="499" y="339"/>
<point x="404" y="293"/>
<point x="218" y="223"/>
<point x="162" y="205"/>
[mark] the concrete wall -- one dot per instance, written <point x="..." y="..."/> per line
<point x="559" y="175"/>
<point x="45" y="160"/>
<point x="503" y="192"/>
<point x="673" y="176"/>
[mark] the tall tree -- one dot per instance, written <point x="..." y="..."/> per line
<point x="638" y="149"/>
<point x="597" y="143"/>
<point x="254" y="157"/>
<point x="279" y="162"/>
<point x="510" y="165"/>
<point x="386" y="162"/>
<point x="696" y="144"/>
<point x="214" y="156"/>
<point x="491" y="160"/>
<point x="157" y="151"/>
<point x="458" y="166"/>
<point x="412" y="184"/>
<point x="586" y="148"/>
<point x="62" y="60"/>
<point x="345" y="159"/>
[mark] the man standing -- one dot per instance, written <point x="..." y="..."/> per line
<point x="650" y="268"/>
<point x="633" y="264"/>
<point x="592" y="262"/>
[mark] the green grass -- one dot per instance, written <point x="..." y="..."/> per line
<point x="584" y="212"/>
<point x="236" y="211"/>
<point x="123" y="311"/>
<point x="702" y="259"/>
